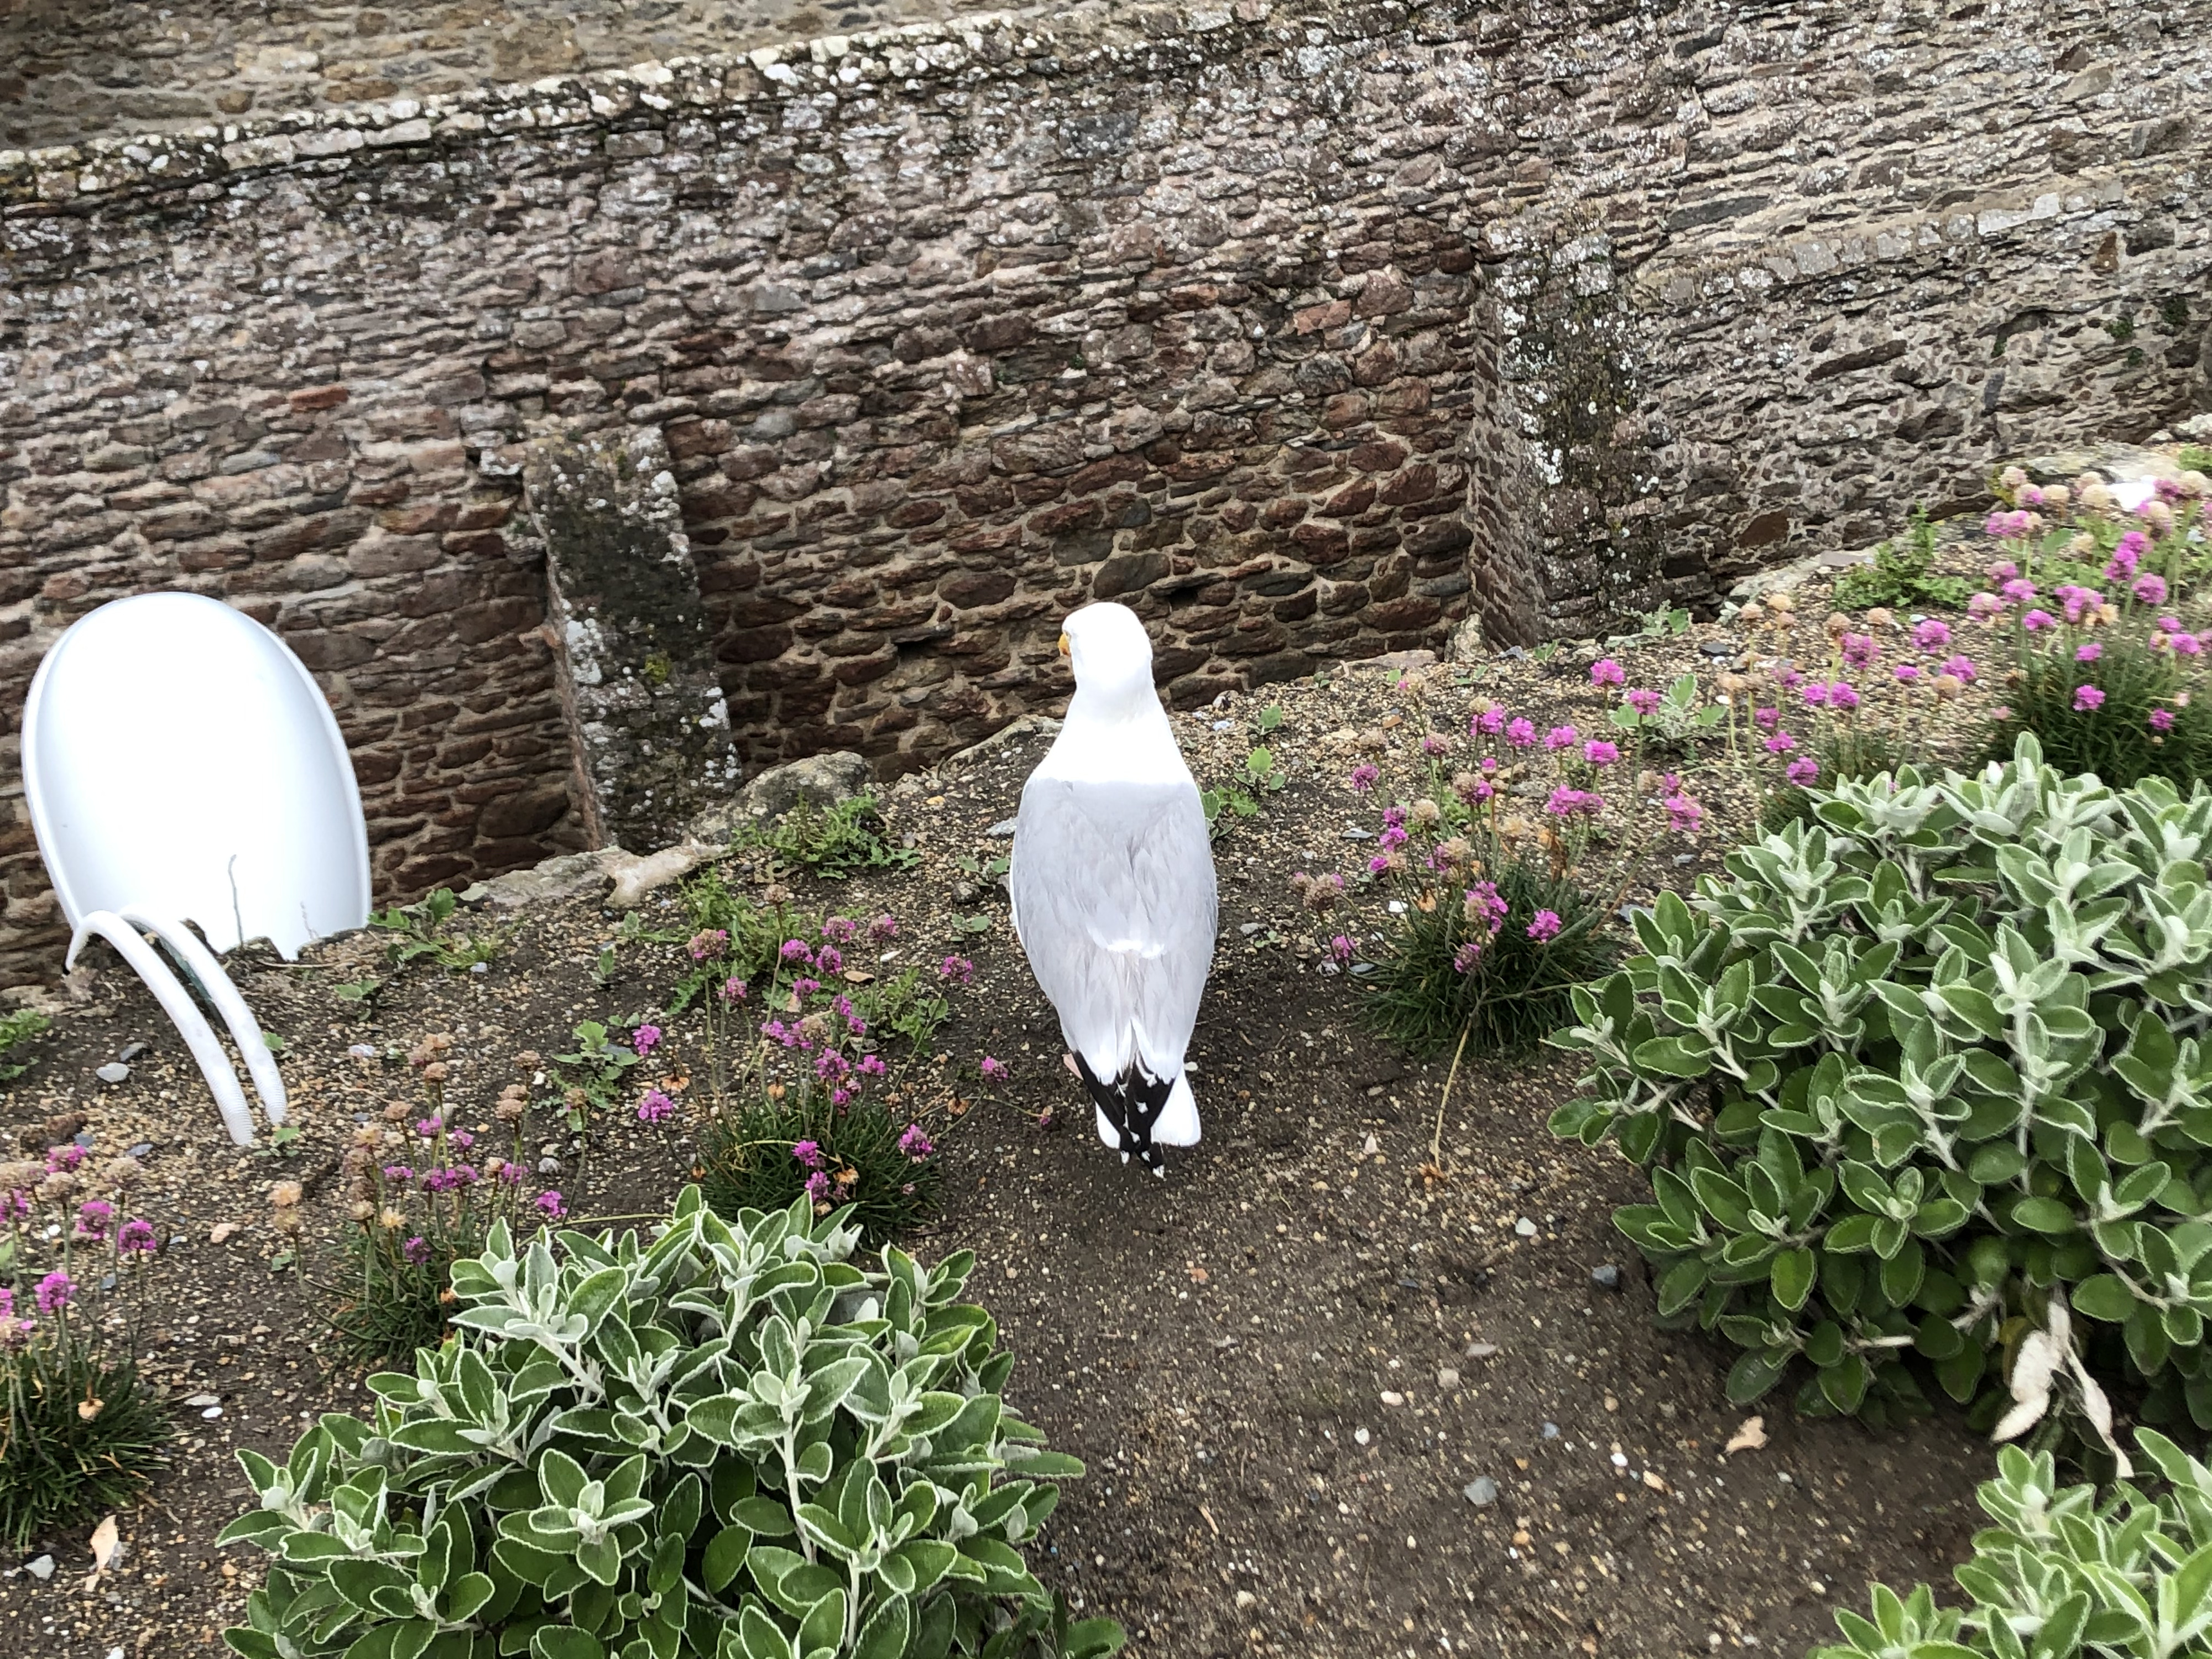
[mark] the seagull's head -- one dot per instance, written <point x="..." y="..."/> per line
<point x="1110" y="652"/>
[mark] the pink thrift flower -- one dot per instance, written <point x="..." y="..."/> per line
<point x="808" y="1153"/>
<point x="137" y="1238"/>
<point x="416" y="1249"/>
<point x="1780" y="743"/>
<point x="1766" y="718"/>
<point x="882" y="928"/>
<point x="1606" y="672"/>
<point x="1489" y="723"/>
<point x="1907" y="674"/>
<point x="1931" y="634"/>
<point x="1684" y="814"/>
<point x="1598" y="752"/>
<point x="2161" y="720"/>
<point x="2150" y="589"/>
<point x="1642" y="700"/>
<point x="2088" y="653"/>
<point x="645" y="1039"/>
<point x="1545" y="927"/>
<point x="1804" y="771"/>
<point x="55" y="1292"/>
<point x="1860" y="650"/>
<point x="2086" y="699"/>
<point x="915" y="1143"/>
<point x="994" y="1069"/>
<point x="1561" y="737"/>
<point x="2003" y="571"/>
<point x="1340" y="948"/>
<point x="551" y="1206"/>
<point x="1816" y="693"/>
<point x="818" y="1188"/>
<point x="655" y="1106"/>
<point x="1961" y="668"/>
<point x="957" y="970"/>
<point x="1522" y="734"/>
<point x="2036" y="621"/>
<point x="1363" y="778"/>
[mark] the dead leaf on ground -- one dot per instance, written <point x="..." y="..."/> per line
<point x="106" y="1540"/>
<point x="222" y="1231"/>
<point x="1750" y="1437"/>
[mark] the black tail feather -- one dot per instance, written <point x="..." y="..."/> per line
<point x="1132" y="1103"/>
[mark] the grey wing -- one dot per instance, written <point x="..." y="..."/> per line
<point x="1114" y="901"/>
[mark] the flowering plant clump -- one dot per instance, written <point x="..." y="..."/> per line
<point x="1917" y="1078"/>
<point x="80" y="1432"/>
<point x="1490" y="923"/>
<point x="1871" y="705"/>
<point x="814" y="1028"/>
<point x="866" y="1160"/>
<point x="2106" y="668"/>
<point x="728" y="1443"/>
<point x="423" y="1193"/>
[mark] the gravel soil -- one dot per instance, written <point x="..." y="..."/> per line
<point x="1287" y="1365"/>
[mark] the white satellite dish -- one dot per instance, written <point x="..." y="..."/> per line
<point x="181" y="764"/>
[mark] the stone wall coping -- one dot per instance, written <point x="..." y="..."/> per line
<point x="1745" y="263"/>
<point x="66" y="177"/>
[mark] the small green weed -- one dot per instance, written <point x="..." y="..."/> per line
<point x="1902" y="574"/>
<point x="421" y="930"/>
<point x="17" y="1030"/>
<point x="1245" y="797"/>
<point x="830" y="843"/>
<point x="592" y="1074"/>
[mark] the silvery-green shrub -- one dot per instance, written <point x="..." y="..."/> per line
<point x="729" y="1442"/>
<point x="1917" y="1075"/>
<point x="2062" y="1573"/>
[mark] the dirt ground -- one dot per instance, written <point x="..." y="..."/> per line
<point x="1287" y="1364"/>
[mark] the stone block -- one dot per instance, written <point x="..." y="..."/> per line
<point x="633" y="651"/>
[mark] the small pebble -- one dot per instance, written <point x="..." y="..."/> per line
<point x="1360" y="1436"/>
<point x="1246" y="1599"/>
<point x="1447" y="1377"/>
<point x="480" y="967"/>
<point x="41" y="1567"/>
<point x="144" y="1149"/>
<point x="212" y="1413"/>
<point x="1619" y="1461"/>
<point x="1551" y="1431"/>
<point x="1607" y="1278"/>
<point x="114" y="1071"/>
<point x="1481" y="1491"/>
<point x="548" y="1166"/>
<point x="200" y="1399"/>
<point x="1480" y="1350"/>
<point x="1392" y="1397"/>
<point x="130" y="1051"/>
<point x="1524" y="1227"/>
<point x="1003" y="828"/>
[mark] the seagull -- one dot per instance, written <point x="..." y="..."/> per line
<point x="1112" y="883"/>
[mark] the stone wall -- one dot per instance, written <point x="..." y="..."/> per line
<point x="1305" y="330"/>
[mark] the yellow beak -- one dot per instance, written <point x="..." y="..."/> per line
<point x="1063" y="643"/>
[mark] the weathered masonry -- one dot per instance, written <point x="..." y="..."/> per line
<point x="1307" y="330"/>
